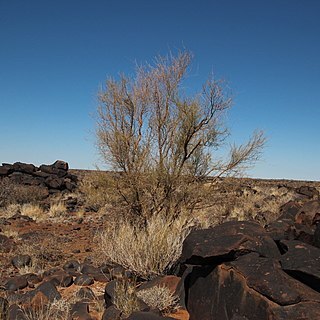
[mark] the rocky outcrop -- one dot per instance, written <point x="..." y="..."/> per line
<point x="55" y="177"/>
<point x="239" y="270"/>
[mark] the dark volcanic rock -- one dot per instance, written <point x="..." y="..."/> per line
<point x="281" y="229"/>
<point x="6" y="244"/>
<point x="227" y="241"/>
<point x="48" y="289"/>
<point x="83" y="280"/>
<point x="302" y="262"/>
<point x="5" y="170"/>
<point x="309" y="192"/>
<point x="316" y="237"/>
<point x="60" y="278"/>
<point x="252" y="287"/>
<point x="16" y="283"/>
<point x="21" y="260"/>
<point x="86" y="293"/>
<point x="289" y="210"/>
<point x="309" y="214"/>
<point x="54" y="182"/>
<point x="61" y="165"/>
<point x="111" y="313"/>
<point x="80" y="311"/>
<point x="24" y="167"/>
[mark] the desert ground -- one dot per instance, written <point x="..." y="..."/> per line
<point x="53" y="264"/>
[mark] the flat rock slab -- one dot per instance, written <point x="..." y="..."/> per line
<point x="227" y="241"/>
<point x="252" y="287"/>
<point x="302" y="261"/>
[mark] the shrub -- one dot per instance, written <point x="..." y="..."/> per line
<point x="148" y="250"/>
<point x="160" y="142"/>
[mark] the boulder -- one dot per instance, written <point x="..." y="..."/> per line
<point x="5" y="170"/>
<point x="111" y="313"/>
<point x="289" y="210"/>
<point x="226" y="242"/>
<point x="16" y="283"/>
<point x="309" y="214"/>
<point x="24" y="167"/>
<point x="61" y="165"/>
<point x="85" y="293"/>
<point x="60" y="278"/>
<point x="83" y="280"/>
<point x="309" y="192"/>
<point x="48" y="289"/>
<point x="302" y="261"/>
<point x="251" y="287"/>
<point x="53" y="182"/>
<point x="80" y="311"/>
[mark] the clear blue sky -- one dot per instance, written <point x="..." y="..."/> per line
<point x="55" y="55"/>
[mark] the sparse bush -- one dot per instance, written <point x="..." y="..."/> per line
<point x="160" y="142"/>
<point x="161" y="298"/>
<point x="147" y="250"/>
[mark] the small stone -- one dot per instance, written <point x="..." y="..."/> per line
<point x="83" y="280"/>
<point x="21" y="260"/>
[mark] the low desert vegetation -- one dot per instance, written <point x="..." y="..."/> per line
<point x="34" y="211"/>
<point x="93" y="186"/>
<point x="160" y="145"/>
<point x="160" y="298"/>
<point x="261" y="204"/>
<point x="125" y="297"/>
<point x="57" y="309"/>
<point x="146" y="250"/>
<point x="57" y="209"/>
<point x="15" y="193"/>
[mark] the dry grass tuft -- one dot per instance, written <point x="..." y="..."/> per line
<point x="261" y="204"/>
<point x="44" y="253"/>
<point x="126" y="299"/>
<point x="57" y="209"/>
<point x="33" y="211"/>
<point x="57" y="310"/>
<point x="145" y="250"/>
<point x="160" y="297"/>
